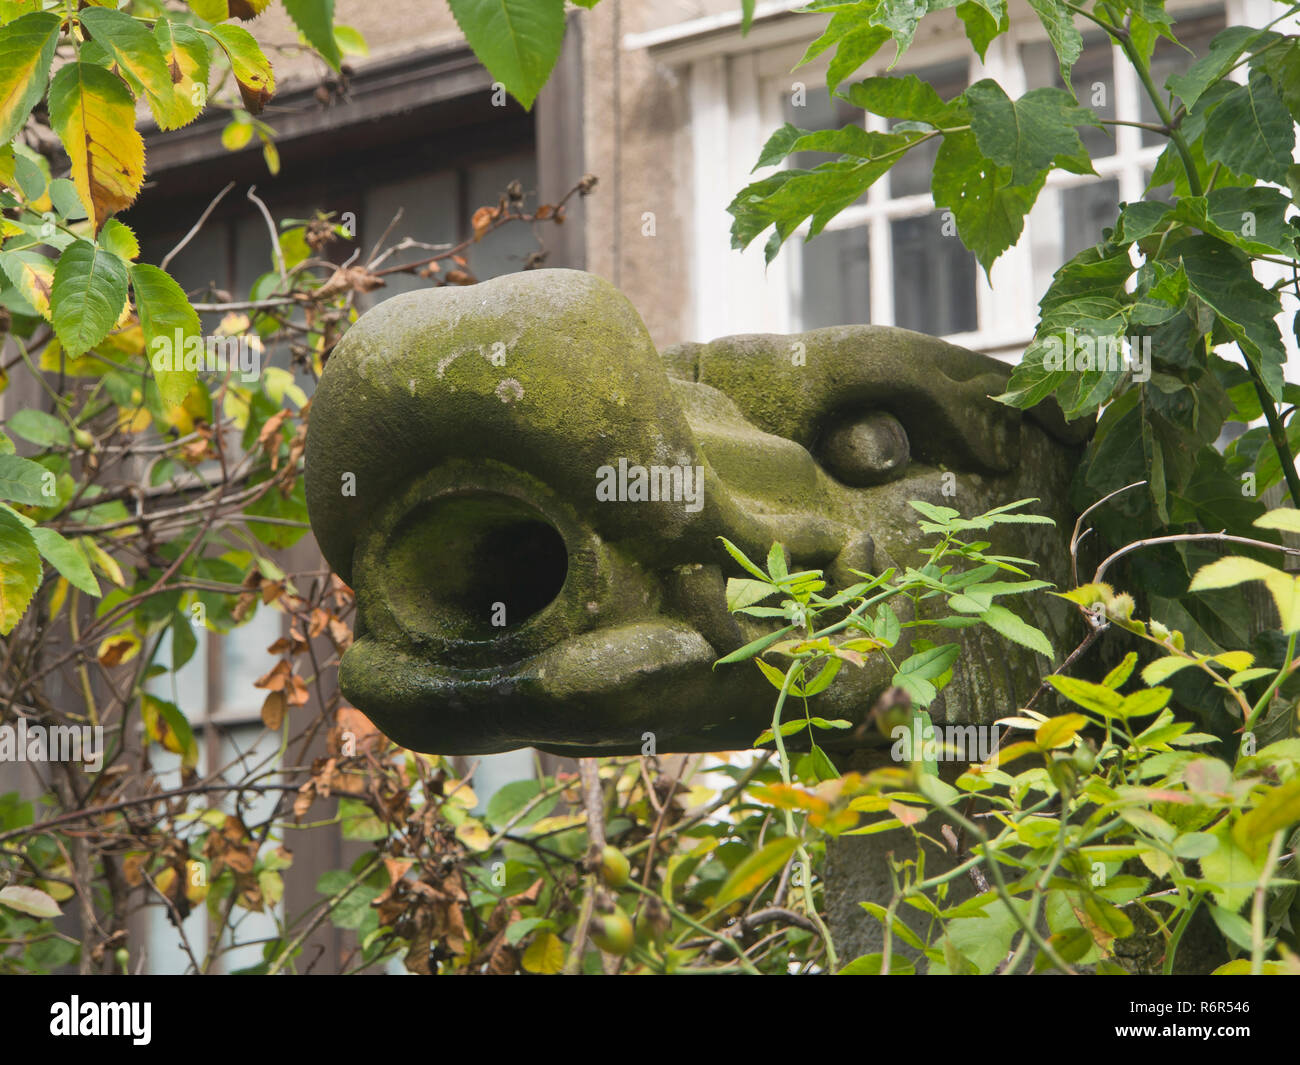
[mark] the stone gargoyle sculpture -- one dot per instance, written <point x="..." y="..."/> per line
<point x="527" y="498"/>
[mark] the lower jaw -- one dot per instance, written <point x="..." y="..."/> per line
<point x="603" y="691"/>
<point x="643" y="688"/>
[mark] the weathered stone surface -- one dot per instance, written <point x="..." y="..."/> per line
<point x="475" y="423"/>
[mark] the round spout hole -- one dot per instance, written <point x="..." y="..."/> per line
<point x="473" y="566"/>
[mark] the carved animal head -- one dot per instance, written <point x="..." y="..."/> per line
<point x="527" y="498"/>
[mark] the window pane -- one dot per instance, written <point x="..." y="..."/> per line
<point x="1085" y="211"/>
<point x="430" y="212"/>
<point x="836" y="278"/>
<point x="1196" y="32"/>
<point x="934" y="278"/>
<point x="505" y="250"/>
<point x="910" y="176"/>
<point x="1093" y="81"/>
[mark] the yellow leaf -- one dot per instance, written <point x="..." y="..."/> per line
<point x="196" y="888"/>
<point x="94" y="115"/>
<point x="26" y="51"/>
<point x="33" y="274"/>
<point x="118" y="649"/>
<point x="104" y="562"/>
<point x="58" y="597"/>
<point x="1286" y="518"/>
<point x="461" y="794"/>
<point x="545" y="955"/>
<point x="187" y="61"/>
<point x="1059" y="731"/>
<point x="1232" y="570"/>
<point x="250" y="66"/>
<point x="473" y="835"/>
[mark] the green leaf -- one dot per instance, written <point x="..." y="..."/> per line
<point x="871" y="965"/>
<point x="981" y="25"/>
<point x="756" y="870"/>
<point x="1058" y="20"/>
<point x="1121" y="673"/>
<point x="29" y="900"/>
<point x="248" y="63"/>
<point x="821" y="765"/>
<point x="900" y="17"/>
<point x="1094" y="697"/>
<point x="20" y="570"/>
<point x="1252" y="132"/>
<point x="1229" y="871"/>
<point x="39" y="427"/>
<point x="1235" y="928"/>
<point x="1224" y="51"/>
<point x="788" y="728"/>
<point x="908" y="98"/>
<point x="823" y="679"/>
<point x="23" y="481"/>
<point x="1252" y="219"/>
<point x="887" y="628"/>
<point x="1282" y="65"/>
<point x="1087" y="295"/>
<point x="1220" y="276"/>
<point x="776" y="562"/>
<point x="517" y="40"/>
<point x="791" y="197"/>
<point x="509" y="800"/>
<point x="26" y="51"/>
<point x="1232" y="570"/>
<point x="917" y="673"/>
<point x="164" y="310"/>
<point x="315" y="21"/>
<point x="1142" y="703"/>
<point x="989" y="207"/>
<point x="742" y="592"/>
<point x="1014" y="628"/>
<point x="1031" y="133"/>
<point x="67" y="557"/>
<point x="743" y="559"/>
<point x="120" y="240"/>
<point x="89" y="293"/>
<point x="1164" y="668"/>
<point x="754" y="647"/>
<point x="931" y="663"/>
<point x="135" y="51"/>
<point x="855" y="39"/>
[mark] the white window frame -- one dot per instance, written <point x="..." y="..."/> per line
<point x="735" y="88"/>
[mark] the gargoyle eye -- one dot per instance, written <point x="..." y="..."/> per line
<point x="865" y="449"/>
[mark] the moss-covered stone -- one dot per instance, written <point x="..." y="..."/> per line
<point x="461" y="449"/>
